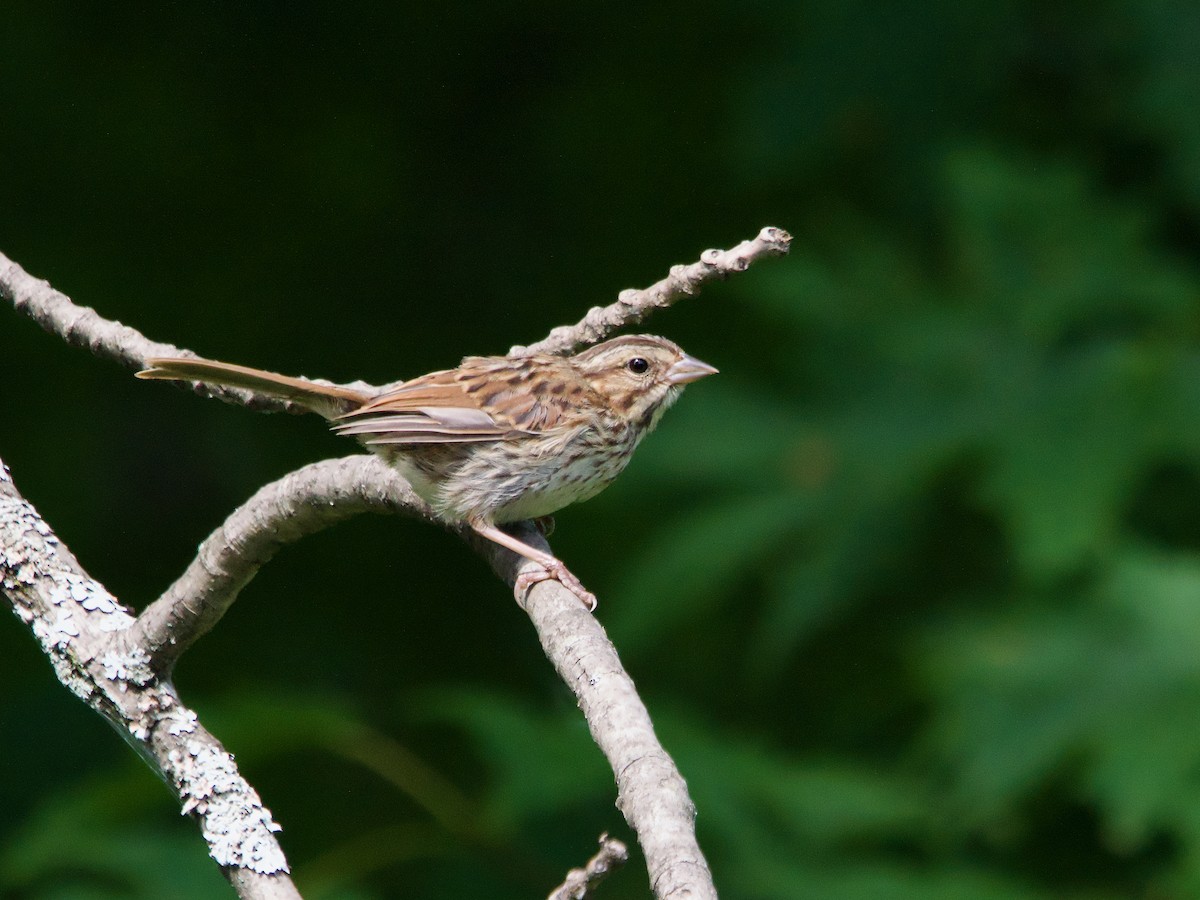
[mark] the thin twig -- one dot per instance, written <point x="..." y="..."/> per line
<point x="82" y="326"/>
<point x="580" y="883"/>
<point x="683" y="281"/>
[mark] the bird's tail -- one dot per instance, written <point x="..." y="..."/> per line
<point x="327" y="400"/>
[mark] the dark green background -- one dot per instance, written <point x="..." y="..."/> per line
<point x="912" y="589"/>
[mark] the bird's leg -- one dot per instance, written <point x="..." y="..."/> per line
<point x="553" y="569"/>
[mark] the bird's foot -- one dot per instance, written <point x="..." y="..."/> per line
<point x="555" y="571"/>
<point x="549" y="567"/>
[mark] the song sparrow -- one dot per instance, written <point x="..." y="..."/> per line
<point x="498" y="439"/>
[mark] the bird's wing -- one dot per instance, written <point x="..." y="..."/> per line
<point x="485" y="399"/>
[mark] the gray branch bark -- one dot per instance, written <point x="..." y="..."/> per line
<point x="582" y="883"/>
<point x="301" y="503"/>
<point x="633" y="304"/>
<point x="121" y="665"/>
<point x="79" y="625"/>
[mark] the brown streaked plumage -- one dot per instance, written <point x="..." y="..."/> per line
<point x="497" y="439"/>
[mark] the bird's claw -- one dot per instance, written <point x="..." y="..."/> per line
<point x="556" y="571"/>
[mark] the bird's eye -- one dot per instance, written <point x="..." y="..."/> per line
<point x="638" y="366"/>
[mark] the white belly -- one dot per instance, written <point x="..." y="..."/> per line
<point x="508" y="484"/>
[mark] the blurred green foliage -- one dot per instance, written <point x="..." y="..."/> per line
<point x="912" y="589"/>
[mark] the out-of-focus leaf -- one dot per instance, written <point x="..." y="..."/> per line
<point x="1067" y="446"/>
<point x="93" y="841"/>
<point x="1166" y="34"/>
<point x="1051" y="260"/>
<point x="541" y="762"/>
<point x="724" y="435"/>
<point x="679" y="576"/>
<point x="813" y="828"/>
<point x="1103" y="685"/>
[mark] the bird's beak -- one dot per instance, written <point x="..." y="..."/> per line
<point x="689" y="369"/>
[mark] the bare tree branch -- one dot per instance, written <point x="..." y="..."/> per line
<point x="82" y="326"/>
<point x="683" y="281"/>
<point x="75" y="620"/>
<point x="580" y="883"/>
<point x="301" y="503"/>
<point x="120" y="665"/>
<point x="651" y="793"/>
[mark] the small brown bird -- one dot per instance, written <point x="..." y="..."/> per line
<point x="498" y="439"/>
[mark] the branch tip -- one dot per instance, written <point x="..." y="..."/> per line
<point x="581" y="883"/>
<point x="683" y="280"/>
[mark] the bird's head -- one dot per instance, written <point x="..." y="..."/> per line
<point x="640" y="375"/>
